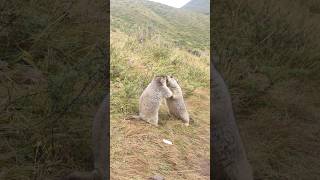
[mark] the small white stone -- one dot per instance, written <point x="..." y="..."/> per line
<point x="167" y="141"/>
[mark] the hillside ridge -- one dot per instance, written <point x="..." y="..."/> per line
<point x="201" y="6"/>
<point x="174" y="25"/>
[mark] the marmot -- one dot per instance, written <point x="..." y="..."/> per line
<point x="229" y="156"/>
<point x="149" y="102"/>
<point x="100" y="150"/>
<point x="176" y="103"/>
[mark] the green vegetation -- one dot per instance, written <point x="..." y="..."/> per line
<point x="134" y="64"/>
<point x="179" y="26"/>
<point x="143" y="43"/>
<point x="51" y="82"/>
<point x="269" y="56"/>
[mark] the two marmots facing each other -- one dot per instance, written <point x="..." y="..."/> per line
<point x="149" y="103"/>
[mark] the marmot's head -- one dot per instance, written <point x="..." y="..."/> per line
<point x="172" y="82"/>
<point x="161" y="80"/>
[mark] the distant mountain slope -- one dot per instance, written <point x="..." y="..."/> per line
<point x="202" y="6"/>
<point x="181" y="26"/>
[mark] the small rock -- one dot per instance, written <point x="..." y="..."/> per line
<point x="156" y="177"/>
<point x="167" y="141"/>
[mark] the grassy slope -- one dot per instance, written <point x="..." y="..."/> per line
<point x="182" y="27"/>
<point x="270" y="59"/>
<point x="49" y="53"/>
<point x="137" y="150"/>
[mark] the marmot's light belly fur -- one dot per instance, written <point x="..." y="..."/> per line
<point x="176" y="103"/>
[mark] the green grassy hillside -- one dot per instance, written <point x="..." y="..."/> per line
<point x="270" y="57"/>
<point x="143" y="44"/>
<point x="184" y="28"/>
<point x="201" y="6"/>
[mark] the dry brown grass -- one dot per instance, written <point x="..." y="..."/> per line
<point x="282" y="138"/>
<point x="138" y="152"/>
<point x="269" y="57"/>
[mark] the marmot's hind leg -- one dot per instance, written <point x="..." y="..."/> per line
<point x="185" y="119"/>
<point x="153" y="121"/>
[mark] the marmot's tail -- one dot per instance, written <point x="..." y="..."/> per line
<point x="133" y="117"/>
